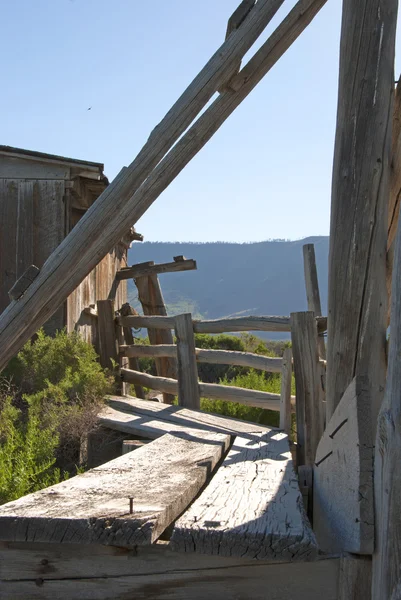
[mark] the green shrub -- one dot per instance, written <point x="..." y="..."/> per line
<point x="54" y="390"/>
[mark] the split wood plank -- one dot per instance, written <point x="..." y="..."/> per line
<point x="251" y="508"/>
<point x="141" y="270"/>
<point x="309" y="407"/>
<point x="254" y="398"/>
<point x="133" y="362"/>
<point x="188" y="384"/>
<point x="69" y="572"/>
<point x="151" y="298"/>
<point x="221" y="357"/>
<point x="107" y="332"/>
<point x="157" y="416"/>
<point x="343" y="476"/>
<point x="285" y="395"/>
<point x="162" y="478"/>
<point x="23" y="283"/>
<point x="105" y="222"/>
<point x="312" y="289"/>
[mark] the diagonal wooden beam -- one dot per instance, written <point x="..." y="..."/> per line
<point x="105" y="222"/>
<point x="141" y="270"/>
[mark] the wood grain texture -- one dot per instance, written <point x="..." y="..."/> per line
<point x="232" y="324"/>
<point x="355" y="577"/>
<point x="70" y="572"/>
<point x="188" y="384"/>
<point x="252" y="507"/>
<point x="163" y="478"/>
<point x="133" y="362"/>
<point x="357" y="307"/>
<point x="23" y="283"/>
<point x="312" y="289"/>
<point x="104" y="224"/>
<point x="140" y="270"/>
<point x="309" y="406"/>
<point x="208" y="390"/>
<point x="285" y="394"/>
<point x="343" y="518"/>
<point x="387" y="476"/>
<point x="107" y="332"/>
<point x="222" y="357"/>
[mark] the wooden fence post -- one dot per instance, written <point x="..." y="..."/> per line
<point x="307" y="384"/>
<point x="285" y="395"/>
<point x="108" y="342"/>
<point x="188" y="385"/>
<point x="312" y="289"/>
<point x="151" y="298"/>
<point x="133" y="362"/>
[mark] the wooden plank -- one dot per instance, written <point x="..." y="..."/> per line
<point x="162" y="478"/>
<point x="130" y="445"/>
<point x="23" y="283"/>
<point x="133" y="362"/>
<point x="143" y="270"/>
<point x="221" y="357"/>
<point x="285" y="395"/>
<point x="343" y="476"/>
<point x="268" y="521"/>
<point x="305" y="479"/>
<point x="309" y="407"/>
<point x="231" y="324"/>
<point x="104" y="224"/>
<point x="386" y="580"/>
<point x="24" y="227"/>
<point x="8" y="250"/>
<point x="151" y="298"/>
<point x="188" y="385"/>
<point x="208" y="390"/>
<point x="153" y="413"/>
<point x="70" y="572"/>
<point x="312" y="289"/>
<point x="355" y="577"/>
<point x="107" y="332"/>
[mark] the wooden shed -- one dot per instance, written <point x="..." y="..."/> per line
<point x="42" y="197"/>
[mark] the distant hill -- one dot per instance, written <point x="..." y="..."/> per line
<point x="264" y="278"/>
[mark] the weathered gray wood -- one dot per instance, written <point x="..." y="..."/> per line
<point x="133" y="362"/>
<point x="151" y="298"/>
<point x="355" y="577"/>
<point x="343" y="476"/>
<point x="23" y="283"/>
<point x="285" y="395"/>
<point x="208" y="390"/>
<point x="130" y="445"/>
<point x="222" y="357"/>
<point x="309" y="407"/>
<point x="387" y="459"/>
<point x="105" y="222"/>
<point x="188" y="385"/>
<point x="107" y="331"/>
<point x="70" y="572"/>
<point x="153" y="414"/>
<point x="162" y="478"/>
<point x="252" y="507"/>
<point x="305" y="479"/>
<point x="232" y="324"/>
<point x="312" y="289"/>
<point x="140" y="270"/>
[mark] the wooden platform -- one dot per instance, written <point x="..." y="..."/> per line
<point x="208" y="484"/>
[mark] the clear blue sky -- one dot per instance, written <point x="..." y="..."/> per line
<point x="267" y="171"/>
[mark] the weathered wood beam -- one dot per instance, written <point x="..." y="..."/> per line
<point x="387" y="475"/>
<point x="133" y="361"/>
<point x="208" y="390"/>
<point x="312" y="289"/>
<point x="221" y="357"/>
<point x="105" y="222"/>
<point x="141" y="270"/>
<point x="188" y="384"/>
<point x="107" y="331"/>
<point x="128" y="501"/>
<point x="23" y="283"/>
<point x="285" y="395"/>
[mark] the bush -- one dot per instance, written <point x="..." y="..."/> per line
<point x="51" y="395"/>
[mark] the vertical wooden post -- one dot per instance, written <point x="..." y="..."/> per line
<point x="188" y="385"/>
<point x="308" y="397"/>
<point x="133" y="362"/>
<point x="355" y="578"/>
<point x="108" y="343"/>
<point x="312" y="289"/>
<point x="285" y="394"/>
<point x="151" y="298"/>
<point x="357" y="311"/>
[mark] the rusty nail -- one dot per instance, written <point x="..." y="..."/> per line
<point x="131" y="506"/>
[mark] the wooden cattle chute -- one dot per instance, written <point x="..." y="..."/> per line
<point x="338" y="446"/>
